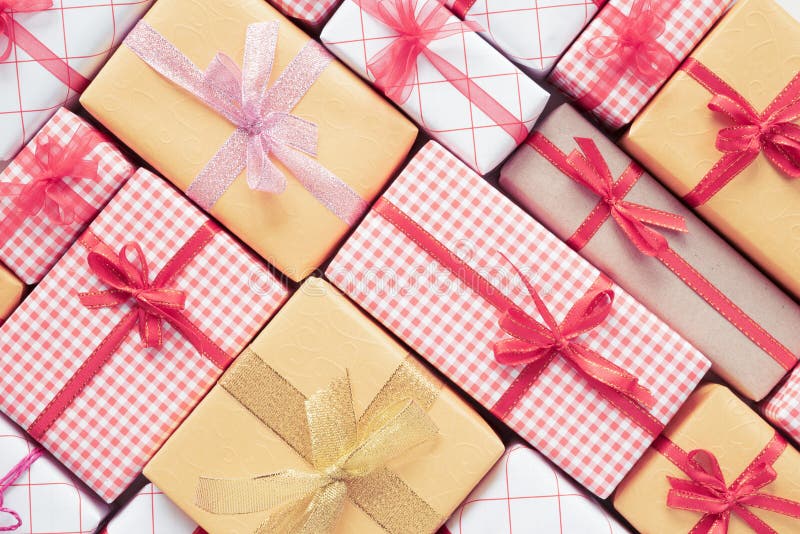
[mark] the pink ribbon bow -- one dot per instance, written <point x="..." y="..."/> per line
<point x="7" y="7"/>
<point x="12" y="477"/>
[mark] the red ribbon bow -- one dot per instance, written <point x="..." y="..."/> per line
<point x="7" y="7"/>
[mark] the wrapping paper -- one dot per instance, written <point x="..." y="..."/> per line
<point x="47" y="497"/>
<point x="151" y="512"/>
<point x="11" y="289"/>
<point x="563" y="205"/>
<point x="524" y="489"/>
<point x="361" y="138"/>
<point x="530" y="33"/>
<point x="716" y="420"/>
<point x="123" y="414"/>
<point x="36" y="245"/>
<point x="313" y="12"/>
<point x="452" y="326"/>
<point x="83" y="33"/>
<point x="317" y="337"/>
<point x="434" y="102"/>
<point x="783" y="408"/>
<point x="623" y="95"/>
<point x="755" y="49"/>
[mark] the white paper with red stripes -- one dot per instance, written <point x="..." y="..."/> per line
<point x="151" y="512"/>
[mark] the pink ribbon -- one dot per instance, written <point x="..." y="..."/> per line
<point x="261" y="112"/>
<point x="9" y="479"/>
<point x="7" y="7"/>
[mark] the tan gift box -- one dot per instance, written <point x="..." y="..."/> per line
<point x="361" y="138"/>
<point x="11" y="289"/>
<point x="317" y="338"/>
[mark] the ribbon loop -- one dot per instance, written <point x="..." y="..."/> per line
<point x="8" y="480"/>
<point x="7" y="9"/>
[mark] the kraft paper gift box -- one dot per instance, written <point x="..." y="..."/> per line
<point x="740" y="181"/>
<point x="56" y="48"/>
<point x="481" y="290"/>
<point x="715" y="448"/>
<point x="288" y="406"/>
<point x="11" y="289"/>
<point x="533" y="34"/>
<point x="451" y="82"/>
<point x="151" y="512"/>
<point x="52" y="190"/>
<point x="678" y="267"/>
<point x="311" y="12"/>
<point x="321" y="143"/>
<point x="39" y="496"/>
<point x="524" y="490"/>
<point x="125" y="335"/>
<point x="782" y="408"/>
<point x="628" y="51"/>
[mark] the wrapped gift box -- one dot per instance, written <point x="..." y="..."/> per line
<point x="714" y="427"/>
<point x="524" y="489"/>
<point x="151" y="512"/>
<point x="40" y="219"/>
<point x="783" y="407"/>
<point x="754" y="53"/>
<point x="128" y="331"/>
<point x="291" y="378"/>
<point x="693" y="280"/>
<point x="333" y="151"/>
<point x="457" y="87"/>
<point x="613" y="79"/>
<point x="47" y="498"/>
<point x="58" y="47"/>
<point x="531" y="33"/>
<point x="11" y="289"/>
<point x="442" y="260"/>
<point x="312" y="12"/>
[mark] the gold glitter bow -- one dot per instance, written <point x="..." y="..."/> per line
<point x="348" y="456"/>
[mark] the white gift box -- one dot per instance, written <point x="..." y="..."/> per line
<point x="151" y="512"/>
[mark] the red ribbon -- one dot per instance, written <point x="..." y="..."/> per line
<point x="706" y="491"/>
<point x="462" y="7"/>
<point x="772" y="132"/>
<point x="395" y="66"/>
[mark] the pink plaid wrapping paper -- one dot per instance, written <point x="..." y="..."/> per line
<point x="435" y="104"/>
<point x="313" y="12"/>
<point x="84" y="33"/>
<point x="48" y="499"/>
<point x="578" y="70"/>
<point x="524" y="489"/>
<point x="140" y="396"/>
<point x="38" y="243"/>
<point x="453" y="327"/>
<point x="151" y="512"/>
<point x="783" y="407"/>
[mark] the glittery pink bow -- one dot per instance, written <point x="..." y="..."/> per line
<point x="6" y="23"/>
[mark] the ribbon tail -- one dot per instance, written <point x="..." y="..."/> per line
<point x="756" y="523"/>
<point x="318" y="515"/>
<point x="198" y="339"/>
<point x="262" y="174"/>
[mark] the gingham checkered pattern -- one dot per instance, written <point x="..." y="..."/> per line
<point x="577" y="71"/>
<point x="38" y="243"/>
<point x="435" y="104"/>
<point x="48" y="498"/>
<point x="151" y="512"/>
<point x="138" y="398"/>
<point x="783" y="408"/>
<point x="532" y="33"/>
<point x="454" y="328"/>
<point x="84" y="33"/>
<point x="311" y="11"/>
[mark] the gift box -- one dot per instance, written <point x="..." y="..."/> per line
<point x="524" y="489"/>
<point x="11" y="289"/>
<point x="450" y="81"/>
<point x="532" y="35"/>
<point x="628" y="51"/>
<point x="718" y="468"/>
<point x="49" y="50"/>
<point x="128" y="331"/>
<point x="39" y="496"/>
<point x="783" y="407"/>
<point x="592" y="196"/>
<point x="288" y="163"/>
<point x="151" y="512"/>
<point x="276" y="446"/>
<point x="740" y="181"/>
<point x="530" y="330"/>
<point x="312" y="12"/>
<point x="52" y="190"/>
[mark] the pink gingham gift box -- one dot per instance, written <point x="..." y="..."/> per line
<point x="461" y="90"/>
<point x="34" y="241"/>
<point x="151" y="512"/>
<point x="313" y="12"/>
<point x="48" y="499"/>
<point x="56" y="50"/>
<point x="105" y="425"/>
<point x="782" y="409"/>
<point x="628" y="51"/>
<point x="532" y="33"/>
<point x="404" y="281"/>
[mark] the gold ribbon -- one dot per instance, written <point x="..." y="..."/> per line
<point x="348" y="455"/>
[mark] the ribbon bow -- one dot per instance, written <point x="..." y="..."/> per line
<point x="7" y="7"/>
<point x="12" y="477"/>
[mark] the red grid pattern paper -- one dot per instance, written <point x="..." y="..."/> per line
<point x="151" y="512"/>
<point x="578" y="71"/>
<point x="783" y="408"/>
<point x="435" y="104"/>
<point x="48" y="499"/>
<point x="38" y="243"/>
<point x="524" y="489"/>
<point x="139" y="396"/>
<point x="84" y="33"/>
<point x="313" y="12"/>
<point x="532" y="33"/>
<point x="404" y="288"/>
